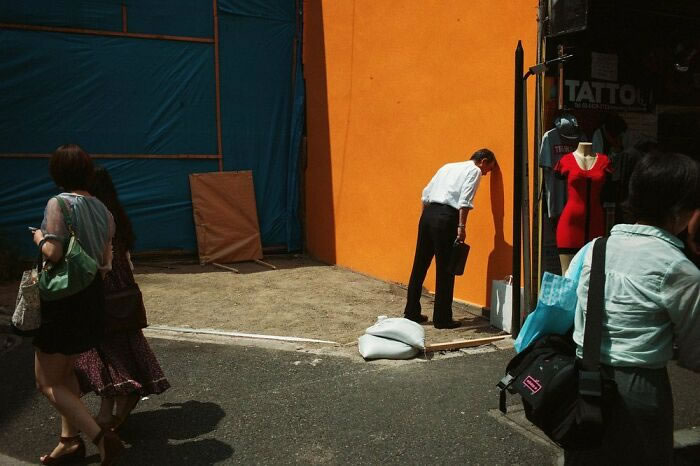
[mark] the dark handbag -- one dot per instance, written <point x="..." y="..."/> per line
<point x="566" y="397"/>
<point x="124" y="310"/>
<point x="458" y="257"/>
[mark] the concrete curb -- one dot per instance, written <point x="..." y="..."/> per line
<point x="686" y="437"/>
<point x="211" y="331"/>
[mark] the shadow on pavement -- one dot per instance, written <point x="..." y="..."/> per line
<point x="17" y="390"/>
<point x="168" y="435"/>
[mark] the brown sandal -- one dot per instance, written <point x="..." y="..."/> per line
<point x="68" y="458"/>
<point x="113" y="447"/>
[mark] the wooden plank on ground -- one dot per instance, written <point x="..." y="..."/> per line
<point x="231" y="269"/>
<point x="453" y="345"/>
<point x="266" y="264"/>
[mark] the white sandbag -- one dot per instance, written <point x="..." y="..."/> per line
<point x="399" y="329"/>
<point x="372" y="347"/>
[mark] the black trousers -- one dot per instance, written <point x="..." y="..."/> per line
<point x="437" y="231"/>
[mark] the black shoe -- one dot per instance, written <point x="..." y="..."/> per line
<point x="419" y="319"/>
<point x="448" y="324"/>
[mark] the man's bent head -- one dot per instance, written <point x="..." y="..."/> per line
<point x="485" y="160"/>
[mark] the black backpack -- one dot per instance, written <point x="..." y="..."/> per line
<point x="566" y="397"/>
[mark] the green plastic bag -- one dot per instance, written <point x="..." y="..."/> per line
<point x="73" y="273"/>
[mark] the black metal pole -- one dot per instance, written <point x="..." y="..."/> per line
<point x="536" y="201"/>
<point x="517" y="187"/>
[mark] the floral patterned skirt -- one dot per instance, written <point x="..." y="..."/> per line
<point x="121" y="365"/>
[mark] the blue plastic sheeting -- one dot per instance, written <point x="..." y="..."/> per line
<point x="258" y="111"/>
<point x="184" y="18"/>
<point x="297" y="130"/>
<point x="117" y="95"/>
<point x="155" y="193"/>
<point x="159" y="201"/>
<point x="270" y="10"/>
<point x="95" y="14"/>
<point x="110" y="95"/>
<point x="192" y="18"/>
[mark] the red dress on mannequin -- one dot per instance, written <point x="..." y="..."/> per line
<point x="583" y="217"/>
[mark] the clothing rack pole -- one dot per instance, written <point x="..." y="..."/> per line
<point x="525" y="209"/>
<point x="536" y="201"/>
<point x="517" y="187"/>
<point x="560" y="78"/>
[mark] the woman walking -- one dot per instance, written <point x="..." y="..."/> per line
<point x="74" y="324"/>
<point x="123" y="367"/>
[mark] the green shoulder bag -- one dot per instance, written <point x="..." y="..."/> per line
<point x="74" y="272"/>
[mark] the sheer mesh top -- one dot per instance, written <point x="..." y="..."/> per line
<point x="92" y="223"/>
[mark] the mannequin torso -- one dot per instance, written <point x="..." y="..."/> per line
<point x="583" y="217"/>
<point x="584" y="155"/>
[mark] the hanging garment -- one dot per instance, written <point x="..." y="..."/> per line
<point x="599" y="141"/>
<point x="552" y="149"/>
<point x="583" y="217"/>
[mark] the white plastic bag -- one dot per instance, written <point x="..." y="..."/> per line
<point x="399" y="329"/>
<point x="502" y="303"/>
<point x="373" y="347"/>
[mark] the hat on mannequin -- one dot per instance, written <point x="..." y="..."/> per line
<point x="567" y="126"/>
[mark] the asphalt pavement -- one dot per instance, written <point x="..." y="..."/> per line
<point x="238" y="404"/>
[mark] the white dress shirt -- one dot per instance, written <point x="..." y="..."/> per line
<point x="454" y="184"/>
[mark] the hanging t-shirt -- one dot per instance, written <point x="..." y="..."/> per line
<point x="598" y="142"/>
<point x="552" y="149"/>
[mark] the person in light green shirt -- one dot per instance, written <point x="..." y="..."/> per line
<point x="652" y="300"/>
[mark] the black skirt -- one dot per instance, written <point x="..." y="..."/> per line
<point x="74" y="324"/>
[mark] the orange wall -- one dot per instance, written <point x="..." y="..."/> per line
<point x="395" y="89"/>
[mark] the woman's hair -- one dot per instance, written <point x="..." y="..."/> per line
<point x="104" y="190"/>
<point x="71" y="167"/>
<point x="663" y="185"/>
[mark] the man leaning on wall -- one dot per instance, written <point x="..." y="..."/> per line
<point x="447" y="200"/>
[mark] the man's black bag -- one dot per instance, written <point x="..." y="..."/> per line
<point x="458" y="257"/>
<point x="566" y="397"/>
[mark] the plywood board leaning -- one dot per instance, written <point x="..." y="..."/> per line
<point x="225" y="217"/>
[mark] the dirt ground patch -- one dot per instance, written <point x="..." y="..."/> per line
<point x="302" y="298"/>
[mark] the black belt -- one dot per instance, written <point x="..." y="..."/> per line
<point x="439" y="204"/>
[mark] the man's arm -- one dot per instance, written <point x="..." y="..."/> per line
<point x="462" y="226"/>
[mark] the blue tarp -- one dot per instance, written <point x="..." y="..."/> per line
<point x="192" y="18"/>
<point x="119" y="95"/>
<point x="263" y="89"/>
